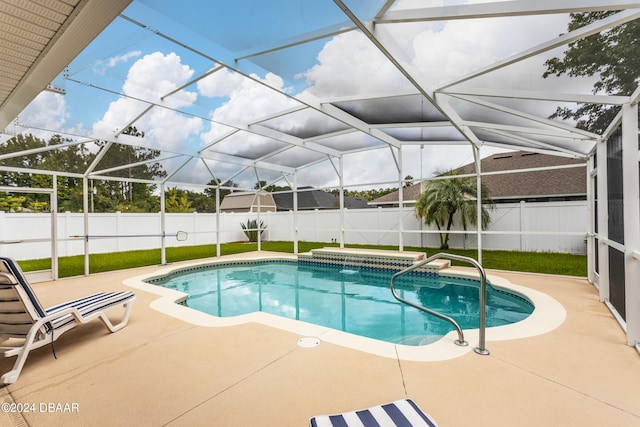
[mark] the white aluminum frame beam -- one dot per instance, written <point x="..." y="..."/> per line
<point x="300" y="39"/>
<point x="558" y="133"/>
<point x="541" y="95"/>
<point x="631" y="212"/>
<point x="531" y="117"/>
<point x="530" y="142"/>
<point x="502" y="9"/>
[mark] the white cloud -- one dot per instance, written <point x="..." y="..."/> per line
<point x="221" y="83"/>
<point x="349" y="64"/>
<point x="155" y="75"/>
<point x="247" y="99"/>
<point x="464" y="46"/>
<point x="123" y="58"/>
<point x="101" y="67"/>
<point x="436" y="53"/>
<point x="152" y="76"/>
<point x="47" y="111"/>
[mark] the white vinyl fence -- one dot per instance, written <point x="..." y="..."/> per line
<point x="558" y="227"/>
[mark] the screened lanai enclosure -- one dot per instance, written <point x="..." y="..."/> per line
<point x="340" y="95"/>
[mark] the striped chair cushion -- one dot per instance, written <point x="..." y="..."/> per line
<point x="404" y="413"/>
<point x="88" y="305"/>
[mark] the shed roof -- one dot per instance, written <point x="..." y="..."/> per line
<point x="245" y="202"/>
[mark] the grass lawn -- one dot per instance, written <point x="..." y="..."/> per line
<point x="537" y="262"/>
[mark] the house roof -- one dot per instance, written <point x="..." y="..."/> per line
<point x="542" y="183"/>
<point x="562" y="182"/>
<point x="409" y="194"/>
<point x="355" y="203"/>
<point x="316" y="199"/>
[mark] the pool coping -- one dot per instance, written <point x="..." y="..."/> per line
<point x="547" y="316"/>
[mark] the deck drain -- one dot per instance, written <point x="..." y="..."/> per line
<point x="309" y="342"/>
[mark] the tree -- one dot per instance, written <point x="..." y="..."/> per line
<point x="201" y="202"/>
<point x="74" y="158"/>
<point x="177" y="201"/>
<point x="211" y="192"/>
<point x="129" y="196"/>
<point x="613" y="55"/>
<point x="125" y="196"/>
<point x="71" y="158"/>
<point x="442" y="199"/>
<point x="11" y="203"/>
<point x="366" y="194"/>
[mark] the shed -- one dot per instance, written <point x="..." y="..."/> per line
<point x="248" y="202"/>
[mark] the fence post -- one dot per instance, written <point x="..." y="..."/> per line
<point x="315" y="224"/>
<point x="118" y="213"/>
<point x="523" y="225"/>
<point x="65" y="232"/>
<point x="195" y="227"/>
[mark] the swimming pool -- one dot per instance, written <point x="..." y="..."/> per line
<point x="356" y="301"/>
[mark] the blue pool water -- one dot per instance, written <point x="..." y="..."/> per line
<point x="357" y="301"/>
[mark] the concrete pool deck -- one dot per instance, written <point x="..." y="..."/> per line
<point x="160" y="370"/>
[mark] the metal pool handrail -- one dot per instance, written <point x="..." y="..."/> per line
<point x="483" y="298"/>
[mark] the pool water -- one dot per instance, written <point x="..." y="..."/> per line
<point x="357" y="301"/>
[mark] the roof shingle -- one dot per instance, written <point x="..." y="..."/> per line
<point x="569" y="182"/>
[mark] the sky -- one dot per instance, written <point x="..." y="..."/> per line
<point x="135" y="61"/>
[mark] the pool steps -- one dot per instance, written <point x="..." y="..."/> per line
<point x="370" y="258"/>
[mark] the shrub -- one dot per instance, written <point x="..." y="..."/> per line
<point x="251" y="229"/>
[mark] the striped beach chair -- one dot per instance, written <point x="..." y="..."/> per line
<point x="401" y="413"/>
<point x="25" y="325"/>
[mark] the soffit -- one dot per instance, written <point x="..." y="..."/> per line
<point x="38" y="39"/>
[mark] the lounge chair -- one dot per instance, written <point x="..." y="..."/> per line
<point x="25" y="325"/>
<point x="403" y="413"/>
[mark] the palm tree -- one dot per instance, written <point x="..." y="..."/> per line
<point x="443" y="198"/>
